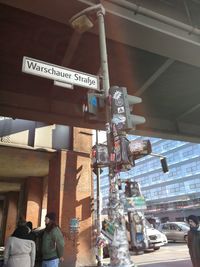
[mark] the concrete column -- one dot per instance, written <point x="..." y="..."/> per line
<point x="44" y="201"/>
<point x="1" y="221"/>
<point x="82" y="140"/>
<point x="70" y="196"/>
<point x="56" y="182"/>
<point x="11" y="210"/>
<point x="33" y="198"/>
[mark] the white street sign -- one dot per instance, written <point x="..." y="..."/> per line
<point x="59" y="73"/>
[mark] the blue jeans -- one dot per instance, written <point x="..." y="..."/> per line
<point x="51" y="263"/>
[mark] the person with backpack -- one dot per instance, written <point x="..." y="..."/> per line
<point x="52" y="242"/>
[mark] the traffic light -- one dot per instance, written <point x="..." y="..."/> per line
<point x="123" y="160"/>
<point x="95" y="103"/>
<point x="132" y="189"/>
<point x="163" y="162"/>
<point x="164" y="165"/>
<point x="94" y="110"/>
<point x="100" y="156"/>
<point x="121" y="107"/>
<point x="139" y="148"/>
<point x="128" y="189"/>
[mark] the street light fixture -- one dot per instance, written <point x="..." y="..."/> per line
<point x="82" y="24"/>
<point x="119" y="249"/>
<point x="84" y="20"/>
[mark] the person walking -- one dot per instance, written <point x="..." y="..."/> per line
<point x="19" y="250"/>
<point x="52" y="242"/>
<point x="193" y="241"/>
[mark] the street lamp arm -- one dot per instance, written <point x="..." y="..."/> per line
<point x="157" y="155"/>
<point x="88" y="11"/>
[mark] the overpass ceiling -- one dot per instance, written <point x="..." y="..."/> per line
<point x="153" y="50"/>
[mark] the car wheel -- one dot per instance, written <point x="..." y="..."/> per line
<point x="157" y="248"/>
<point x="185" y="238"/>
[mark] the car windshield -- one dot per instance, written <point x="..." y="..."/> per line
<point x="148" y="225"/>
<point x="184" y="226"/>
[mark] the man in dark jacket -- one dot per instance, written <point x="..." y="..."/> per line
<point x="194" y="240"/>
<point x="52" y="243"/>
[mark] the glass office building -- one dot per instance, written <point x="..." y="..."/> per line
<point x="169" y="196"/>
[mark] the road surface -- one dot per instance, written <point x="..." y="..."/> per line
<point x="170" y="255"/>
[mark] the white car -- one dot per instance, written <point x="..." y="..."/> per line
<point x="156" y="239"/>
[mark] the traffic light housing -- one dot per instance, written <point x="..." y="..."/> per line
<point x="139" y="148"/>
<point x="132" y="189"/>
<point x="92" y="104"/>
<point x="123" y="160"/>
<point x="121" y="107"/>
<point x="100" y="156"/>
<point x="164" y="165"/>
<point x="94" y="109"/>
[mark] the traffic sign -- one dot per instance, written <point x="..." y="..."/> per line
<point x="59" y="73"/>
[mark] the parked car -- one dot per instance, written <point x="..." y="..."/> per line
<point x="156" y="239"/>
<point x="175" y="231"/>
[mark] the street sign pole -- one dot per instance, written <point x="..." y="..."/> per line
<point x="119" y="249"/>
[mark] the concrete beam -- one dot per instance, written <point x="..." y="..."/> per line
<point x="165" y="39"/>
<point x="12" y="187"/>
<point x="18" y="162"/>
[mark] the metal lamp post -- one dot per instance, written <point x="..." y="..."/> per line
<point x="119" y="248"/>
<point x="82" y="23"/>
